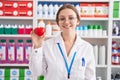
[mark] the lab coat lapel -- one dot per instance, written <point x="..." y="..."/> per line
<point x="59" y="40"/>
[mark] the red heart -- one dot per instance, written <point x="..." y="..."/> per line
<point x="39" y="31"/>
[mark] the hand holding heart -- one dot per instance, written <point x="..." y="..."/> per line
<point x="38" y="36"/>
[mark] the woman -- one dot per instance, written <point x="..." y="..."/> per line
<point x="65" y="57"/>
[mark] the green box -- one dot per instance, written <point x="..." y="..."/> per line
<point x="2" y="30"/>
<point x="21" y="78"/>
<point x="7" y="72"/>
<point x="115" y="13"/>
<point x="8" y="30"/>
<point x="21" y="72"/>
<point x="41" y="77"/>
<point x="14" y="30"/>
<point x="7" y="78"/>
<point x="116" y="5"/>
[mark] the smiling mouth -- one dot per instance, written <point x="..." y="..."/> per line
<point x="66" y="27"/>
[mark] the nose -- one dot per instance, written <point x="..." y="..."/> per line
<point x="66" y="21"/>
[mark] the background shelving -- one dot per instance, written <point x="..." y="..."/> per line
<point x="102" y="70"/>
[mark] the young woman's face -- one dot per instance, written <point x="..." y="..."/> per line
<point x="67" y="20"/>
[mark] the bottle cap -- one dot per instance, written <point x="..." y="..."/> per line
<point x="99" y="26"/>
<point x="11" y="40"/>
<point x="90" y="27"/>
<point x="3" y="40"/>
<point x="95" y="26"/>
<point x="117" y="76"/>
<point x="15" y="5"/>
<point x="85" y="27"/>
<point x="28" y="41"/>
<point x="20" y="41"/>
<point x="29" y="5"/>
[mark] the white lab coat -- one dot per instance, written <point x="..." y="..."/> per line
<point x="49" y="62"/>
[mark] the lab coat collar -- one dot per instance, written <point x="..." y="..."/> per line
<point x="59" y="39"/>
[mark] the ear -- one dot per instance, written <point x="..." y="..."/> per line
<point x="78" y="22"/>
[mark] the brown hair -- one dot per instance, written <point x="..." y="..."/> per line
<point x="67" y="6"/>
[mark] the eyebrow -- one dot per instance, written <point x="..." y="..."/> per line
<point x="68" y="16"/>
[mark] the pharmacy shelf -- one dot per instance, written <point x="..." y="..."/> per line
<point x="23" y="35"/>
<point x="116" y="0"/>
<point x="115" y="66"/>
<point x="102" y="37"/>
<point x="22" y="0"/>
<point x="15" y="65"/>
<point x="116" y="19"/>
<point x="8" y="17"/>
<point x="101" y="66"/>
<point x="76" y="0"/>
<point x="89" y="18"/>
<point x="115" y="37"/>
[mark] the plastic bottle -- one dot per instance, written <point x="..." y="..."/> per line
<point x="55" y="29"/>
<point x="40" y="10"/>
<point x="78" y="8"/>
<point x="48" y="29"/>
<point x="41" y="24"/>
<point x="28" y="29"/>
<point x="14" y="29"/>
<point x="28" y="50"/>
<point x="85" y="30"/>
<point x="102" y="56"/>
<point x="90" y="30"/>
<point x="20" y="51"/>
<point x="95" y="48"/>
<point x="115" y="31"/>
<point x="50" y="11"/>
<point x="3" y="51"/>
<point x="7" y="29"/>
<point x="104" y="33"/>
<point x="99" y="30"/>
<point x="11" y="51"/>
<point x="117" y="76"/>
<point x="55" y="10"/>
<point x="45" y="11"/>
<point x="21" y="29"/>
<point x="112" y="77"/>
<point x="95" y="30"/>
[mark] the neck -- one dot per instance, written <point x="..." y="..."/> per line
<point x="69" y="37"/>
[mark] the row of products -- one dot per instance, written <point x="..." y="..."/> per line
<point x="100" y="54"/>
<point x="15" y="74"/>
<point x="49" y="9"/>
<point x="115" y="52"/>
<point x="116" y="28"/>
<point x="116" y="76"/>
<point x="15" y="29"/>
<point x="116" y="9"/>
<point x="51" y="27"/>
<point x="16" y="8"/>
<point x="12" y="51"/>
<point x="91" y="30"/>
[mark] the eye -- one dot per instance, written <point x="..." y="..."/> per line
<point x="61" y="19"/>
<point x="71" y="18"/>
